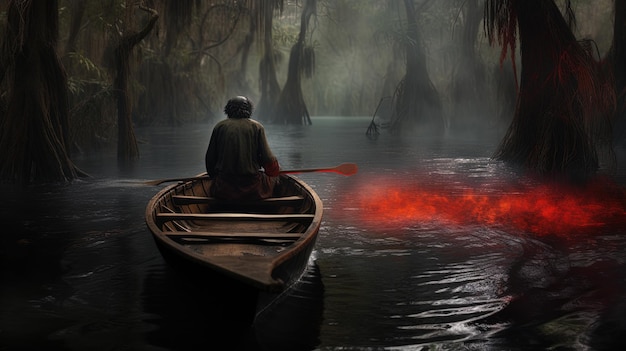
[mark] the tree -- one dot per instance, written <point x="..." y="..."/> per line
<point x="616" y="59"/>
<point x="77" y="9"/>
<point x="417" y="102"/>
<point x="34" y="127"/>
<point x="270" y="89"/>
<point x="160" y="100"/>
<point x="291" y="108"/>
<point x="469" y="86"/>
<point x="564" y="102"/>
<point x="127" y="149"/>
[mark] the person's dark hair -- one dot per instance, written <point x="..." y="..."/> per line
<point x="238" y="107"/>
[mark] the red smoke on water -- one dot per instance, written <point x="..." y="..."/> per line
<point x="543" y="209"/>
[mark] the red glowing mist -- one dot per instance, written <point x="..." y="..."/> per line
<point x="541" y="208"/>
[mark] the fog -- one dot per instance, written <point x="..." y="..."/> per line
<point x="360" y="59"/>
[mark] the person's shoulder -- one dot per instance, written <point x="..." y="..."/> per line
<point x="221" y="122"/>
<point x="255" y="122"/>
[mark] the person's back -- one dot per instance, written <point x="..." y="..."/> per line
<point x="237" y="142"/>
<point x="237" y="150"/>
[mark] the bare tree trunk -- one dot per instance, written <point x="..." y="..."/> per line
<point x="469" y="88"/>
<point x="617" y="57"/>
<point x="241" y="83"/>
<point x="77" y="8"/>
<point x="291" y="108"/>
<point x="127" y="149"/>
<point x="270" y="89"/>
<point x="33" y="132"/>
<point x="418" y="105"/>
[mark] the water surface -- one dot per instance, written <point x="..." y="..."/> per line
<point x="432" y="245"/>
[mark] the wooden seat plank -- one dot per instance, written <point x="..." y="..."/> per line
<point x="194" y="200"/>
<point x="203" y="234"/>
<point x="234" y="216"/>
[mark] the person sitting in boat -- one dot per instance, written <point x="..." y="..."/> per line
<point x="239" y="158"/>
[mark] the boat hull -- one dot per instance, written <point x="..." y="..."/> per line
<point x="243" y="250"/>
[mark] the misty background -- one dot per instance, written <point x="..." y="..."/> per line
<point x="184" y="73"/>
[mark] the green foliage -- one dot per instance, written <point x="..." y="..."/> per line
<point x="284" y="35"/>
<point x="86" y="72"/>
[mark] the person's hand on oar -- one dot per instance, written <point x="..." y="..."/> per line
<point x="346" y="169"/>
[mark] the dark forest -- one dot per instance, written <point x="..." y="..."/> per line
<point x="78" y="76"/>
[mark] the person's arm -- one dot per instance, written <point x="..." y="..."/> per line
<point x="268" y="160"/>
<point x="210" y="159"/>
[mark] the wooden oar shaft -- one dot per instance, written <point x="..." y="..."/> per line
<point x="317" y="170"/>
<point x="346" y="169"/>
<point x="161" y="181"/>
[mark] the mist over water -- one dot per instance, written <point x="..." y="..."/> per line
<point x="424" y="270"/>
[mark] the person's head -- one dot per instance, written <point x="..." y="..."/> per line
<point x="238" y="107"/>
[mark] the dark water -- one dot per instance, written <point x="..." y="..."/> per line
<point x="466" y="254"/>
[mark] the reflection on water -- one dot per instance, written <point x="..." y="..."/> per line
<point x="191" y="315"/>
<point x="293" y="322"/>
<point x="78" y="269"/>
<point x="416" y="287"/>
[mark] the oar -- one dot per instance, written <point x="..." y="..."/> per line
<point x="166" y="180"/>
<point x="346" y="169"/>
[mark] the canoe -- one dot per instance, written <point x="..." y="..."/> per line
<point x="254" y="246"/>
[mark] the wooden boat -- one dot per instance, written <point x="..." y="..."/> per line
<point x="252" y="247"/>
